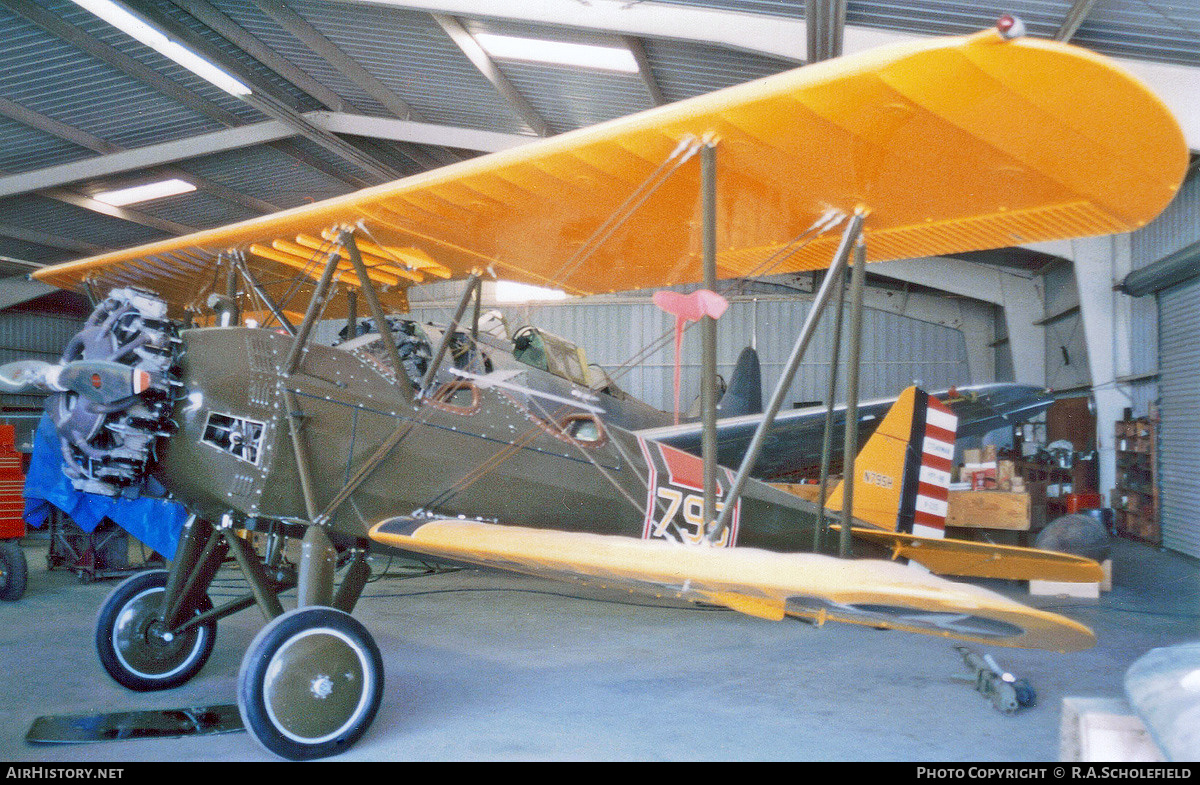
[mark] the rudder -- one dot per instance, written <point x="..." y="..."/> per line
<point x="902" y="473"/>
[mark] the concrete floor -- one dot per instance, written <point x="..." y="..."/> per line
<point x="486" y="666"/>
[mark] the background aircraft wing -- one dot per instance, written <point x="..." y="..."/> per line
<point x="952" y="144"/>
<point x="756" y="582"/>
<point x="793" y="445"/>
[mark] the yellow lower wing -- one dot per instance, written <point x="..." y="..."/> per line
<point x="760" y="583"/>
<point x="985" y="560"/>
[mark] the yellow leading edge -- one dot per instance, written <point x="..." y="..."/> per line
<point x="951" y="144"/>
<point x="752" y="581"/>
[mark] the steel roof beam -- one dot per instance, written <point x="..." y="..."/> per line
<point x="419" y="133"/>
<point x="825" y="28"/>
<point x="776" y="36"/>
<point x="119" y="60"/>
<point x="143" y="157"/>
<point x="49" y="125"/>
<point x="638" y="49"/>
<point x="350" y="68"/>
<point x="270" y="131"/>
<point x="1075" y="16"/>
<point x="315" y="40"/>
<point x="51" y="240"/>
<point x="137" y="70"/>
<point x="263" y="99"/>
<point x="68" y="196"/>
<point x="83" y="139"/>
<point x="466" y="42"/>
<point x="239" y="37"/>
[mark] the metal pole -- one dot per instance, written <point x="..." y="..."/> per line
<point x="231" y="289"/>
<point x="830" y="392"/>
<point x="708" y="362"/>
<point x="310" y="316"/>
<point x="789" y="372"/>
<point x="351" y="314"/>
<point x="444" y="344"/>
<point x="301" y="455"/>
<point x="346" y="240"/>
<point x="850" y="445"/>
<point x="272" y="306"/>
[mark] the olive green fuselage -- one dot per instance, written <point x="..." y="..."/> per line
<point x="494" y="453"/>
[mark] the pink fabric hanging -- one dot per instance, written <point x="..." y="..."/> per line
<point x="688" y="308"/>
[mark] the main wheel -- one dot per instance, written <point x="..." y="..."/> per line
<point x="134" y="645"/>
<point x="310" y="683"/>
<point x="14" y="571"/>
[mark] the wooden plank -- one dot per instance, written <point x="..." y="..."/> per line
<point x="1104" y="729"/>
<point x="1007" y="510"/>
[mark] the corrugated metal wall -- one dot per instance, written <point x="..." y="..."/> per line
<point x="896" y="350"/>
<point x="1166" y="339"/>
<point x="1179" y="431"/>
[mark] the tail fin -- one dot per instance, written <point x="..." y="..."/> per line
<point x="744" y="393"/>
<point x="902" y="473"/>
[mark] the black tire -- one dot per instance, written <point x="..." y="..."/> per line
<point x="310" y="683"/>
<point x="130" y="643"/>
<point x="14" y="571"/>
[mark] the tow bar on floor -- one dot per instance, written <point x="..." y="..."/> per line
<point x="1006" y="692"/>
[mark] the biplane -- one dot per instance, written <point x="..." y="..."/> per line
<point x="930" y="148"/>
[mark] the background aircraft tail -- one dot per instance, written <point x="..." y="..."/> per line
<point x="743" y="395"/>
<point x="902" y="473"/>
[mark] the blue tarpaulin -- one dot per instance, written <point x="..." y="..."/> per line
<point x="155" y="522"/>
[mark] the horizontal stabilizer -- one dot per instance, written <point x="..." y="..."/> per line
<point x="984" y="560"/>
<point x="761" y="583"/>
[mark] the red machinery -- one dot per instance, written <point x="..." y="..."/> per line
<point x="13" y="569"/>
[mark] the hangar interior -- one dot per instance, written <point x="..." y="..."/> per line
<point x="342" y="95"/>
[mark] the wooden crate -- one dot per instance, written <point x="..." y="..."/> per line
<point x="1006" y="510"/>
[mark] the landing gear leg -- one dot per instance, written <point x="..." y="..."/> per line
<point x="147" y="634"/>
<point x="312" y="679"/>
<point x="137" y="649"/>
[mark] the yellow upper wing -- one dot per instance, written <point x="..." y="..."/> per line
<point x="952" y="144"/>
<point x="752" y="581"/>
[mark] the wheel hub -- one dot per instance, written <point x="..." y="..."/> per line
<point x="322" y="686"/>
<point x="316" y="685"/>
<point x="143" y="641"/>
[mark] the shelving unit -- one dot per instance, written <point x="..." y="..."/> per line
<point x="1135" y="497"/>
<point x="1052" y="489"/>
